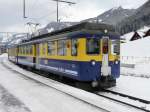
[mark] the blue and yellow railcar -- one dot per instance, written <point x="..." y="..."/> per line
<point x="87" y="53"/>
<point x="80" y="55"/>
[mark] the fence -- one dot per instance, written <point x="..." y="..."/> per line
<point x="134" y="60"/>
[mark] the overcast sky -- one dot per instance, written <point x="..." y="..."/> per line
<point x="44" y="11"/>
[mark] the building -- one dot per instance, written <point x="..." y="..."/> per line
<point x="135" y="36"/>
<point x="147" y="33"/>
<point x="3" y="49"/>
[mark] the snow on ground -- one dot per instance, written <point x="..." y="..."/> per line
<point x="134" y="86"/>
<point x="8" y="103"/>
<point x="40" y="98"/>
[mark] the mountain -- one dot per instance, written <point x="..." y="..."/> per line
<point x="140" y="18"/>
<point x="113" y="16"/>
<point x="13" y="39"/>
<point x="52" y="26"/>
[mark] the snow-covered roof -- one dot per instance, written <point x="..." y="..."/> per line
<point x="141" y="32"/>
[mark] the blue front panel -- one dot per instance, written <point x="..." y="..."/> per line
<point x="90" y="72"/>
<point x="115" y="69"/>
<point x="24" y="60"/>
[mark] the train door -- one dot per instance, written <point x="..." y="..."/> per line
<point x="37" y="56"/>
<point x="106" y="69"/>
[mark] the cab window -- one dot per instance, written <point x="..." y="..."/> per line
<point x="105" y="45"/>
<point x="115" y="47"/>
<point x="93" y="46"/>
<point x="74" y="45"/>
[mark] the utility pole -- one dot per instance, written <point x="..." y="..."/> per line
<point x="67" y="2"/>
<point x="24" y="9"/>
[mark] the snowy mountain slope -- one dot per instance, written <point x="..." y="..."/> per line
<point x="113" y="16"/>
<point x="140" y="18"/>
<point x="13" y="39"/>
<point x="52" y="26"/>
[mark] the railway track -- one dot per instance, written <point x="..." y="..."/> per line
<point x="128" y="96"/>
<point x="145" y="102"/>
<point x="97" y="93"/>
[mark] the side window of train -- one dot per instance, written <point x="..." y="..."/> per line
<point x="30" y="49"/>
<point x="51" y="48"/>
<point x="62" y="47"/>
<point x="23" y="50"/>
<point x="27" y="49"/>
<point x="115" y="47"/>
<point x="74" y="47"/>
<point x="93" y="46"/>
<point x="43" y="49"/>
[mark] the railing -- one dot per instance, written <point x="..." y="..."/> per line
<point x="134" y="60"/>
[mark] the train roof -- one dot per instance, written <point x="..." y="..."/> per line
<point x="79" y="27"/>
<point x="84" y="29"/>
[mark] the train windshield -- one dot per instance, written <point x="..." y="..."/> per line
<point x="93" y="46"/>
<point x="105" y="45"/>
<point x="115" y="47"/>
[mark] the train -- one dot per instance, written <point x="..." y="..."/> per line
<point x="88" y="53"/>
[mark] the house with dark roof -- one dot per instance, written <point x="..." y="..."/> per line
<point x="147" y="33"/>
<point x="136" y="36"/>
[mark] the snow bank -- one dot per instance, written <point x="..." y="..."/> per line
<point x="137" y="48"/>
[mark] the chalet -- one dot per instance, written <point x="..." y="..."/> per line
<point x="136" y="36"/>
<point x="147" y="33"/>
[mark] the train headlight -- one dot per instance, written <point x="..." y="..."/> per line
<point x="116" y="62"/>
<point x="93" y="62"/>
<point x="94" y="84"/>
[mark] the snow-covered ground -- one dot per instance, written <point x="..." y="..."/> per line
<point x="40" y="98"/>
<point x="133" y="86"/>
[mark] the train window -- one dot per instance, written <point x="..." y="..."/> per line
<point x="93" y="46"/>
<point x="74" y="45"/>
<point x="115" y="47"/>
<point x="51" y="48"/>
<point x="31" y="49"/>
<point x="62" y="47"/>
<point x="27" y="49"/>
<point x="23" y="50"/>
<point x="43" y="49"/>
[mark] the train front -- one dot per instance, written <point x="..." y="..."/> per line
<point x="101" y="63"/>
<point x="109" y="67"/>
